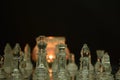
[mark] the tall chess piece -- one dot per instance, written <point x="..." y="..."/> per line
<point x="8" y="56"/>
<point x="72" y="67"/>
<point x="41" y="71"/>
<point x="16" y="75"/>
<point x="26" y="66"/>
<point x="55" y="64"/>
<point x="2" y="73"/>
<point x="98" y="65"/>
<point x="62" y="73"/>
<point x="86" y="67"/>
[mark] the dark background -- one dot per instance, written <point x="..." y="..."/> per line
<point x="94" y="22"/>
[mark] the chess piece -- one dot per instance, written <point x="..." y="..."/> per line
<point x="62" y="73"/>
<point x="41" y="71"/>
<point x="8" y="56"/>
<point x="25" y="65"/>
<point x="99" y="65"/>
<point x="16" y="56"/>
<point x="106" y="63"/>
<point x="72" y="67"/>
<point x="16" y="74"/>
<point x="86" y="70"/>
<point x="106" y="72"/>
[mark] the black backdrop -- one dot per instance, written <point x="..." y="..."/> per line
<point x="94" y="22"/>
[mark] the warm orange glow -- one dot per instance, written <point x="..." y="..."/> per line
<point x="51" y="48"/>
<point x="50" y="58"/>
<point x="50" y="73"/>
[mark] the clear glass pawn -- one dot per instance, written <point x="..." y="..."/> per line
<point x="72" y="67"/>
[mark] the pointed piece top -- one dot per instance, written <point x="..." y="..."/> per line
<point x="27" y="48"/>
<point x="85" y="51"/>
<point x="7" y="48"/>
<point x="17" y="49"/>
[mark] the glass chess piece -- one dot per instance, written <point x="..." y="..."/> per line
<point x="100" y="54"/>
<point x="107" y="67"/>
<point x="62" y="72"/>
<point x="85" y="64"/>
<point x="98" y="65"/>
<point x="16" y="56"/>
<point x="41" y="70"/>
<point x="8" y="56"/>
<point x="72" y="67"/>
<point x="106" y="63"/>
<point x="16" y="74"/>
<point x="103" y="69"/>
<point x="25" y="65"/>
<point x="85" y="51"/>
<point x="2" y="73"/>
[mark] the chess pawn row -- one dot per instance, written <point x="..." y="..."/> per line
<point x="17" y="59"/>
